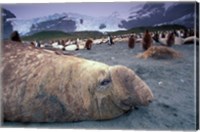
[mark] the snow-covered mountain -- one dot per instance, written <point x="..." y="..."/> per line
<point x="144" y="14"/>
<point x="68" y="22"/>
<point x="161" y="13"/>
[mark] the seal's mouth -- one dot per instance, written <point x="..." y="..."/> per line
<point x="129" y="103"/>
<point x="126" y="104"/>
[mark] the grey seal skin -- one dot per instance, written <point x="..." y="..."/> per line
<point x="41" y="86"/>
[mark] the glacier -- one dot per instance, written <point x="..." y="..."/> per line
<point x="112" y="22"/>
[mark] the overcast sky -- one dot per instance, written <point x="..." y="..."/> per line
<point x="27" y="11"/>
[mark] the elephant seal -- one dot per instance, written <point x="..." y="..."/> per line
<point x="159" y="52"/>
<point x="40" y="86"/>
<point x="191" y="40"/>
<point x="71" y="47"/>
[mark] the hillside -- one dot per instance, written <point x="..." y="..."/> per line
<point x="52" y="35"/>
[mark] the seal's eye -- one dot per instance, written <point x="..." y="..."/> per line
<point x="105" y="82"/>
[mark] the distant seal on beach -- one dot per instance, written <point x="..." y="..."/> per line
<point x="71" y="47"/>
<point x="40" y="86"/>
<point x="159" y="52"/>
<point x="191" y="40"/>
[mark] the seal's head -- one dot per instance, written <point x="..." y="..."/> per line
<point x="117" y="89"/>
<point x="129" y="89"/>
